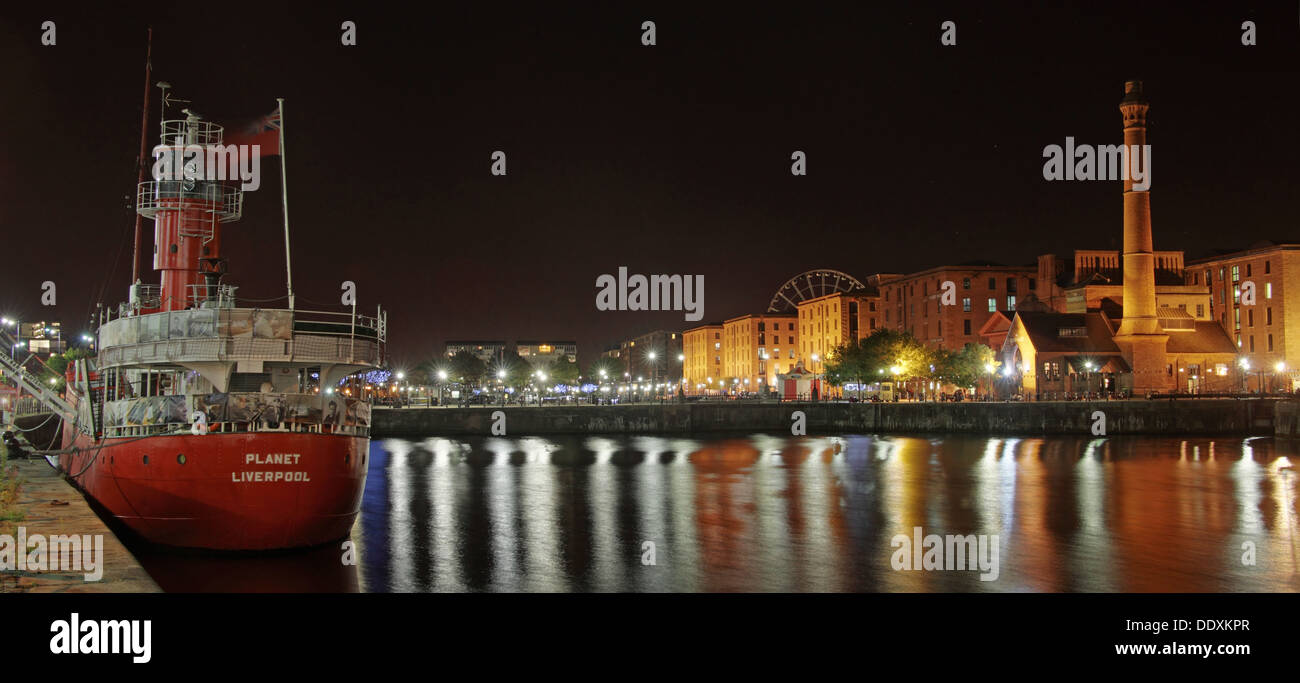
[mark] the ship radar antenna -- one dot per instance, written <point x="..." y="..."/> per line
<point x="167" y="98"/>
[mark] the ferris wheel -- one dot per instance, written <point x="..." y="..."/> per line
<point x="811" y="285"/>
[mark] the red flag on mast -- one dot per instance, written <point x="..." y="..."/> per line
<point x="264" y="131"/>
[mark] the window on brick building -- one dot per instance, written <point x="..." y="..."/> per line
<point x="1247" y="270"/>
<point x="1236" y="273"/>
<point x="965" y="305"/>
<point x="1250" y="318"/>
<point x="1268" y="316"/>
<point x="1268" y="290"/>
<point x="1270" y="343"/>
<point x="1268" y="267"/>
<point x="993" y="304"/>
<point x="993" y="283"/>
<point x="1011" y="303"/>
<point x="1011" y="284"/>
<point x="965" y="326"/>
<point x="1252" y="343"/>
<point x="1200" y="310"/>
<point x="965" y="283"/>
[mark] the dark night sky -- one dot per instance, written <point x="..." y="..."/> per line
<point x="666" y="159"/>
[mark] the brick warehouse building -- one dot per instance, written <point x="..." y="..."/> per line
<point x="1259" y="331"/>
<point x="913" y="303"/>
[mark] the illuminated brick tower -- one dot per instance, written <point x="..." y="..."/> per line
<point x="1140" y="336"/>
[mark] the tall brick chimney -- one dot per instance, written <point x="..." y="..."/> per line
<point x="1140" y="337"/>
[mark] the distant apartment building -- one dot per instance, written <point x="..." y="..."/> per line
<point x="486" y="351"/>
<point x="702" y="348"/>
<point x="758" y="347"/>
<point x="653" y="355"/>
<point x="914" y="303"/>
<point x="540" y="354"/>
<point x="828" y="322"/>
<point x="1259" y="331"/>
<point x="40" y="338"/>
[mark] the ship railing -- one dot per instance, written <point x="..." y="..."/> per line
<point x="216" y="334"/>
<point x="237" y="412"/>
<point x="220" y="202"/>
<point x="181" y="132"/>
<point x="302" y="348"/>
<point x="210" y="296"/>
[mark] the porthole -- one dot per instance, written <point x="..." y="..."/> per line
<point x="180" y="458"/>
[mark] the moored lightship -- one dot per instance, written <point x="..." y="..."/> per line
<point x="203" y="422"/>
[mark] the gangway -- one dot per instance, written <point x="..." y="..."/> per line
<point x="29" y="383"/>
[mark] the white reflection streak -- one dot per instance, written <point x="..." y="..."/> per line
<point x="650" y="503"/>
<point x="1246" y="476"/>
<point x="685" y="553"/>
<point x="1090" y="487"/>
<point x="894" y="484"/>
<point x="602" y="501"/>
<point x="818" y="507"/>
<point x="399" y="516"/>
<point x="500" y="488"/>
<point x="545" y="570"/>
<point x="444" y="547"/>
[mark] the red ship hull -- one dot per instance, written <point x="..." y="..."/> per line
<point x="236" y="491"/>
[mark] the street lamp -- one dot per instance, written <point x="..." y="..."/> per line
<point x="816" y="376"/>
<point x="18" y="335"/>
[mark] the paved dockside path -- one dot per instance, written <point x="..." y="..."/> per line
<point x="52" y="506"/>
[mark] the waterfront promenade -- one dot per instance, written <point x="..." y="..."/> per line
<point x="48" y="505"/>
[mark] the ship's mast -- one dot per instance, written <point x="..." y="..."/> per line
<point x="284" y="196"/>
<point x="144" y="148"/>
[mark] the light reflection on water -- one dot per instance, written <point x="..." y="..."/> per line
<point x="770" y="513"/>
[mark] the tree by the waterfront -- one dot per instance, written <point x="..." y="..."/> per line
<point x="613" y="369"/>
<point x="967" y="367"/>
<point x="883" y="356"/>
<point x="562" y="371"/>
<point x="465" y="367"/>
